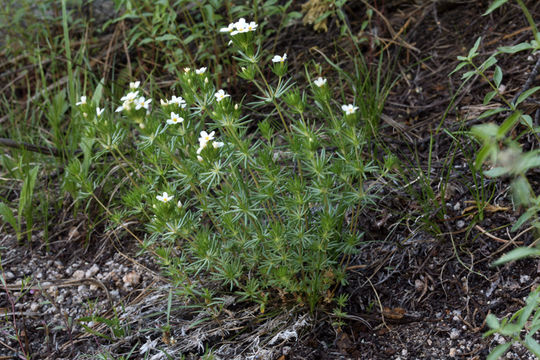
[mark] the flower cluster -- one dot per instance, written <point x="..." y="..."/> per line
<point x="86" y="107"/>
<point x="175" y="101"/>
<point x="132" y="100"/>
<point x="205" y="138"/>
<point x="239" y="27"/>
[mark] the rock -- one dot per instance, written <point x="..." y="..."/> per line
<point x="132" y="278"/>
<point x="9" y="275"/>
<point x="418" y="285"/>
<point x="454" y="334"/>
<point x="92" y="271"/>
<point x="78" y="275"/>
<point x="34" y="307"/>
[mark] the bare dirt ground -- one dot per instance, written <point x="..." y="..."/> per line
<point x="414" y="293"/>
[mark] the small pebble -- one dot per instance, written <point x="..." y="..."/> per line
<point x="452" y="352"/>
<point x="404" y="352"/>
<point x="131" y="279"/>
<point x="454" y="334"/>
<point x="78" y="275"/>
<point x="92" y="271"/>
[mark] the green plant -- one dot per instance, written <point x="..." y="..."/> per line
<point x="269" y="210"/>
<point x="526" y="319"/>
<point x="509" y="160"/>
<point x="25" y="204"/>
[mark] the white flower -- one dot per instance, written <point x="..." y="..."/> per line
<point x="134" y="85"/>
<point x="82" y="102"/>
<point x="241" y="26"/>
<point x="164" y="102"/>
<point x="320" y="82"/>
<point x="220" y="95"/>
<point x="178" y="101"/>
<point x="131" y="96"/>
<point x="205" y="138"/>
<point x="165" y="197"/>
<point x="200" y="149"/>
<point x="142" y="103"/>
<point x="179" y="203"/>
<point x="186" y="70"/>
<point x="200" y="71"/>
<point x="228" y="29"/>
<point x="149" y="345"/>
<point x="217" y="144"/>
<point x="252" y="26"/>
<point x="349" y="109"/>
<point x="99" y="111"/>
<point x="199" y="157"/>
<point x="279" y="59"/>
<point x="175" y="119"/>
<point x="128" y="100"/>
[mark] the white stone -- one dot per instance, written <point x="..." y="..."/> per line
<point x="92" y="271"/>
<point x="78" y="275"/>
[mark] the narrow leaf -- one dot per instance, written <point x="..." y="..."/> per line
<point x="8" y="216"/>
<point x="508" y="124"/>
<point x="472" y="52"/>
<point x="498" y="351"/>
<point x="526" y="94"/>
<point x="516" y="48"/>
<point x="497" y="76"/>
<point x="490" y="112"/>
<point x="489" y="96"/>
<point x="524" y="218"/>
<point x="494" y="6"/>
<point x="517" y="254"/>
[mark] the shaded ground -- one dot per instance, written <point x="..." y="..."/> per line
<point x="414" y="293"/>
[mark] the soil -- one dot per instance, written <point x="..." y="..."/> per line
<point x="413" y="293"/>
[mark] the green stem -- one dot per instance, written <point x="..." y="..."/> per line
<point x="529" y="18"/>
